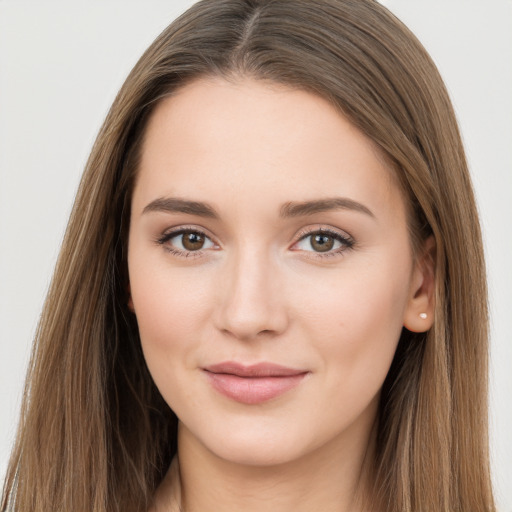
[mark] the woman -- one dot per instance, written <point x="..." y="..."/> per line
<point x="271" y="292"/>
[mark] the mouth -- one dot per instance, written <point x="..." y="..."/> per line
<point x="253" y="384"/>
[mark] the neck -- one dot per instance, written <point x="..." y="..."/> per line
<point x="334" y="477"/>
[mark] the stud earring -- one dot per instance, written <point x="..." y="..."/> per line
<point x="423" y="315"/>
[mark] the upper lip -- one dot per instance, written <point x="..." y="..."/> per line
<point x="254" y="370"/>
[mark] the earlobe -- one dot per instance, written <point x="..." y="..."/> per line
<point x="419" y="314"/>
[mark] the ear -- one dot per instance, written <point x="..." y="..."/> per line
<point x="419" y="313"/>
<point x="129" y="301"/>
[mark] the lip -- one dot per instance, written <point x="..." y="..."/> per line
<point x="253" y="384"/>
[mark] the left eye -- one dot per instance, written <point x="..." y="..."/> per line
<point x="322" y="242"/>
<point x="189" y="241"/>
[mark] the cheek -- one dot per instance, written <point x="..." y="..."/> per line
<point x="355" y="300"/>
<point x="356" y="323"/>
<point x="171" y="311"/>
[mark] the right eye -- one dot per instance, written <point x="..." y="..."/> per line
<point x="186" y="241"/>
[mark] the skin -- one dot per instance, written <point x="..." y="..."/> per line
<point x="260" y="291"/>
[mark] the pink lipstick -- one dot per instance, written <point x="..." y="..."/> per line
<point x="253" y="384"/>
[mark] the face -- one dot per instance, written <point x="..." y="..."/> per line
<point x="270" y="269"/>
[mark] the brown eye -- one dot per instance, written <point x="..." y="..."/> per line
<point x="193" y="241"/>
<point x="321" y="242"/>
<point x="186" y="241"/>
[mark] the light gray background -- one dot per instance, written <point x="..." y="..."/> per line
<point x="61" y="64"/>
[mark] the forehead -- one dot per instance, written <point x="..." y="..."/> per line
<point x="220" y="141"/>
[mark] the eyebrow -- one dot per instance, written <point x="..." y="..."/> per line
<point x="298" y="209"/>
<point x="177" y="205"/>
<point x="290" y="209"/>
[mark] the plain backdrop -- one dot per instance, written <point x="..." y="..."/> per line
<point x="61" y="64"/>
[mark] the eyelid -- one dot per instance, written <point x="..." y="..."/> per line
<point x="185" y="228"/>
<point x="322" y="228"/>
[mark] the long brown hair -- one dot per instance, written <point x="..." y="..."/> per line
<point x="95" y="434"/>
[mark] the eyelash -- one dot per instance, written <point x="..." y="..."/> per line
<point x="346" y="241"/>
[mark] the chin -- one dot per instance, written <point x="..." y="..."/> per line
<point x="250" y="442"/>
<point x="251" y="453"/>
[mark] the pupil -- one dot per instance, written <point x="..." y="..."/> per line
<point x="193" y="241"/>
<point x="322" y="243"/>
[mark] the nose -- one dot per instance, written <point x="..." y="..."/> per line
<point x="252" y="302"/>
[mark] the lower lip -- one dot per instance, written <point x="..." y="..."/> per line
<point x="253" y="390"/>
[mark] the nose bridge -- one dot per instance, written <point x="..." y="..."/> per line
<point x="252" y="301"/>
